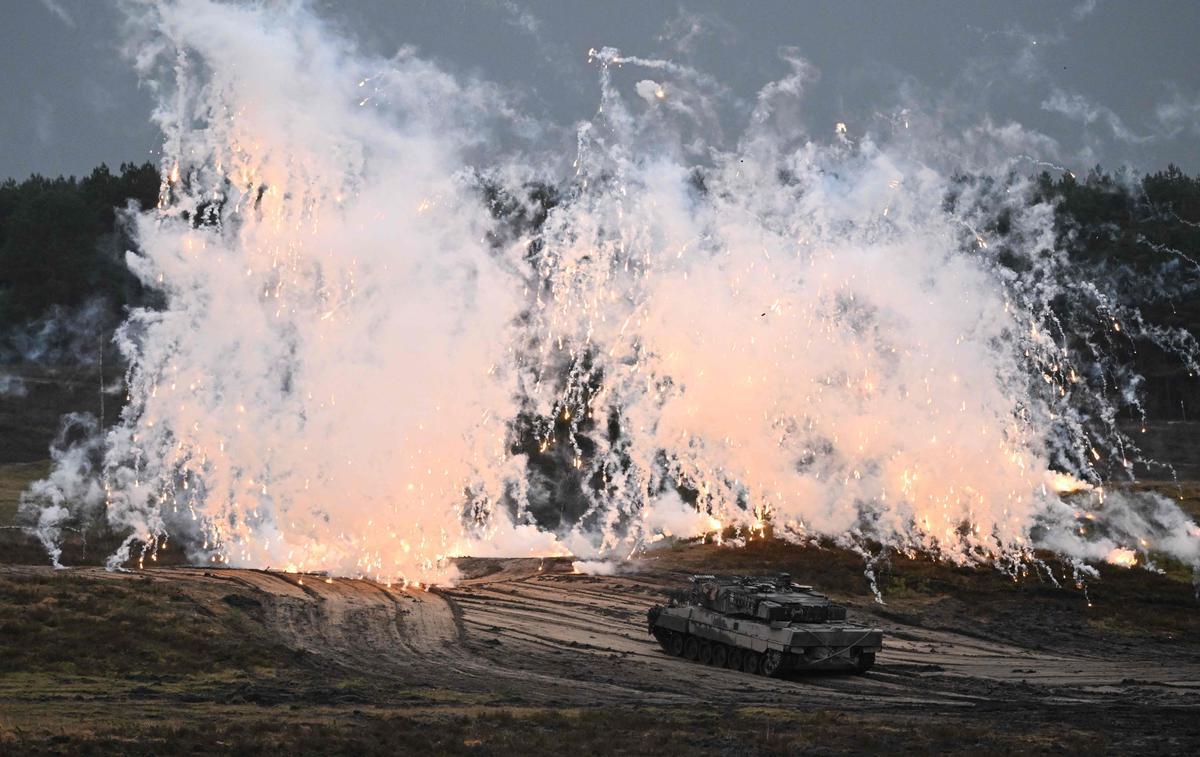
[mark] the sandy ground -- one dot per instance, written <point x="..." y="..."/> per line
<point x="525" y="656"/>
<point x="532" y="633"/>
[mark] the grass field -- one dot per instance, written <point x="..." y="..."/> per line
<point x="96" y="663"/>
<point x="66" y="625"/>
<point x="14" y="479"/>
<point x="153" y="663"/>
<point x="142" y="728"/>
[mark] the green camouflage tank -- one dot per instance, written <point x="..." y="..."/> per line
<point x="762" y="625"/>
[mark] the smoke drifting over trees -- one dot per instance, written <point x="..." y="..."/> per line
<point x="357" y="338"/>
<point x="61" y="243"/>
<point x="62" y="268"/>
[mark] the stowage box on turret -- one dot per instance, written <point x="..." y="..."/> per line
<point x="762" y="625"/>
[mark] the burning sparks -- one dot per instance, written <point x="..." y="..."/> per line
<point x="1124" y="558"/>
<point x="1065" y="484"/>
<point x="773" y="340"/>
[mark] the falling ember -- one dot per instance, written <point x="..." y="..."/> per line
<point x="1065" y="484"/>
<point x="1125" y="558"/>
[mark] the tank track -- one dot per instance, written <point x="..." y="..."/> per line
<point x="720" y="655"/>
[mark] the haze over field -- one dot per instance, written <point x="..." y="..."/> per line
<point x="389" y="288"/>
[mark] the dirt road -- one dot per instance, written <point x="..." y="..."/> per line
<point x="534" y="633"/>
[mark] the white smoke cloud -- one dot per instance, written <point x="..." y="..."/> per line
<point x="58" y="11"/>
<point x="12" y="385"/>
<point x="73" y="494"/>
<point x="1083" y="9"/>
<point x="1078" y="108"/>
<point x="786" y="330"/>
<point x="806" y="339"/>
<point x="328" y="386"/>
<point x="688" y="30"/>
<point x="1178" y="114"/>
<point x="650" y="90"/>
<point x="596" y="567"/>
<point x="41" y="112"/>
<point x="670" y="516"/>
<point x="520" y="17"/>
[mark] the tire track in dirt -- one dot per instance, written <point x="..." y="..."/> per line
<point x="530" y="631"/>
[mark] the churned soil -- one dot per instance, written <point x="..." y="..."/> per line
<point x="525" y="656"/>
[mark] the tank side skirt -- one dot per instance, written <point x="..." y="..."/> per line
<point x="867" y="639"/>
<point x="832" y="644"/>
<point x="672" y="623"/>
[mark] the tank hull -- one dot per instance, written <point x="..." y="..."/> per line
<point x="778" y="647"/>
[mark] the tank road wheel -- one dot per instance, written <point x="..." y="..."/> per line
<point x="691" y="648"/>
<point x="864" y="662"/>
<point x="772" y="663"/>
<point x="663" y="637"/>
<point x="720" y="654"/>
<point x="706" y="653"/>
<point x="733" y="660"/>
<point x="750" y="662"/>
<point x="675" y="644"/>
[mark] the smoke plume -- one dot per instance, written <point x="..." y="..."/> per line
<point x="825" y="334"/>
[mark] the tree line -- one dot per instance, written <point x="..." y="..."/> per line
<point x="62" y="242"/>
<point x="62" y="245"/>
<point x="1142" y="238"/>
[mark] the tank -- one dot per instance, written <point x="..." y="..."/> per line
<point x="765" y="626"/>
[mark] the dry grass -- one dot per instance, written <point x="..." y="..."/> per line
<point x="65" y="625"/>
<point x="135" y="664"/>
<point x="1133" y="602"/>
<point x="142" y="729"/>
<point x="1185" y="493"/>
<point x="14" y="479"/>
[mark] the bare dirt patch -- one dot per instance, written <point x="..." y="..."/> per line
<point x="525" y="655"/>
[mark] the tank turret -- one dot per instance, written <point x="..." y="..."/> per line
<point x="773" y="600"/>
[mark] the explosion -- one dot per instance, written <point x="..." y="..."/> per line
<point x="818" y="332"/>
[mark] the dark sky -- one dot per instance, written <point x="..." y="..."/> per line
<point x="1108" y="82"/>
